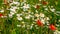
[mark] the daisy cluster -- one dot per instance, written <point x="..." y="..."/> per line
<point x="37" y="15"/>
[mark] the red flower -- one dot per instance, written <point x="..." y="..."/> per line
<point x="44" y="3"/>
<point x="52" y="27"/>
<point x="37" y="6"/>
<point x="39" y="23"/>
<point x="1" y="15"/>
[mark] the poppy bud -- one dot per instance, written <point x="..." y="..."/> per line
<point x="37" y="6"/>
<point x="44" y="3"/>
<point x="52" y="27"/>
<point x="39" y="23"/>
<point x="1" y="15"/>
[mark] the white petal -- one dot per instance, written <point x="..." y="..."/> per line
<point x="42" y="15"/>
<point x="47" y="18"/>
<point x="19" y="18"/>
<point x="18" y="25"/>
<point x="2" y="11"/>
<point x="46" y="8"/>
<point x="53" y="10"/>
<point x="10" y="15"/>
<point x="18" y="15"/>
<point x="27" y="17"/>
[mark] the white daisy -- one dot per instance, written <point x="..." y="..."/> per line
<point x="19" y="18"/>
<point x="1" y="10"/>
<point x="18" y="15"/>
<point x="47" y="18"/>
<point x="18" y="25"/>
<point x="53" y="10"/>
<point x="42" y="15"/>
<point x="26" y="7"/>
<point x="47" y="22"/>
<point x="12" y="10"/>
<point x="14" y="7"/>
<point x="36" y="15"/>
<point x="46" y="9"/>
<point x="43" y="21"/>
<point x="57" y="32"/>
<point x="10" y="15"/>
<point x="27" y="17"/>
<point x="17" y="3"/>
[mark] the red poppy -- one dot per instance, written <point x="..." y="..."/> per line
<point x="37" y="6"/>
<point x="44" y="3"/>
<point x="39" y="23"/>
<point x="52" y="27"/>
<point x="1" y="15"/>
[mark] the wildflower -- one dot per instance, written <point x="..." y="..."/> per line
<point x="52" y="27"/>
<point x="39" y="23"/>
